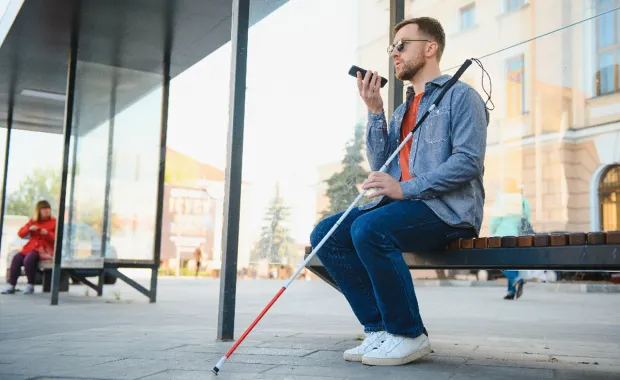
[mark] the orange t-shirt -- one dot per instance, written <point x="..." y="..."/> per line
<point x="406" y="128"/>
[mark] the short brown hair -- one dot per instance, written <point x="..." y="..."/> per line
<point x="430" y="27"/>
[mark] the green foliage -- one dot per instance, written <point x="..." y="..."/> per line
<point x="342" y="186"/>
<point x="42" y="184"/>
<point x="274" y="244"/>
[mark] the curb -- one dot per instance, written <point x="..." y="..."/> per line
<point x="547" y="287"/>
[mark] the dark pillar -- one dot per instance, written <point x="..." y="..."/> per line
<point x="165" y="95"/>
<point x="232" y="199"/>
<point x="70" y="98"/>
<point x="74" y="170"/>
<point x="395" y="87"/>
<point x="5" y="172"/>
<point x="108" y="177"/>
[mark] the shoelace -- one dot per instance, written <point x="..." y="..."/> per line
<point x="390" y="342"/>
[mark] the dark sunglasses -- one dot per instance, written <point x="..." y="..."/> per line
<point x="400" y="45"/>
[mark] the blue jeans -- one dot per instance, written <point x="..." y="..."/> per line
<point x="364" y="257"/>
<point x="513" y="278"/>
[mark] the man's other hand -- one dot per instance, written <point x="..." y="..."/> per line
<point x="385" y="185"/>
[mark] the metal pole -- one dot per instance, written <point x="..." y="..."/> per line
<point x="232" y="199"/>
<point x="108" y="179"/>
<point x="395" y="86"/>
<point x="5" y="172"/>
<point x="74" y="170"/>
<point x="165" y="95"/>
<point x="70" y="97"/>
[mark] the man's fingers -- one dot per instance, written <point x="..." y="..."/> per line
<point x="373" y="184"/>
<point x="367" y="80"/>
<point x="375" y="81"/>
<point x="359" y="81"/>
<point x="376" y="175"/>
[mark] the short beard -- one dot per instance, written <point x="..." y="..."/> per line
<point x="411" y="69"/>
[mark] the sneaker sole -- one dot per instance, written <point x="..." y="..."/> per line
<point x="353" y="357"/>
<point x="397" y="361"/>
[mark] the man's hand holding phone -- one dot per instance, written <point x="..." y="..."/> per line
<point x="369" y="89"/>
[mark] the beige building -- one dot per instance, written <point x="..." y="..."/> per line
<point x="555" y="71"/>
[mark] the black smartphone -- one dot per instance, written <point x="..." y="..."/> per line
<point x="353" y="72"/>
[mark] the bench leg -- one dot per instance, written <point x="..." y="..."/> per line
<point x="100" y="283"/>
<point x="64" y="281"/>
<point x="46" y="280"/>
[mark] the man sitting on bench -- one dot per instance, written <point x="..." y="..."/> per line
<point x="430" y="195"/>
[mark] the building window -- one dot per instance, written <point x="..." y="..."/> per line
<point x="515" y="86"/>
<point x="467" y="16"/>
<point x="609" y="198"/>
<point x="513" y="5"/>
<point x="607" y="47"/>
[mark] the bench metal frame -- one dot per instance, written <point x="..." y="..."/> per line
<point x="108" y="266"/>
<point x="583" y="257"/>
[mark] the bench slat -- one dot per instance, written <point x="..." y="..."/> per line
<point x="577" y="238"/>
<point x="525" y="241"/>
<point x="596" y="238"/>
<point x="467" y="243"/>
<point x="481" y="242"/>
<point x="612" y="237"/>
<point x="509" y="241"/>
<point x="454" y="245"/>
<point x="494" y="242"/>
<point x="558" y="240"/>
<point x="541" y="240"/>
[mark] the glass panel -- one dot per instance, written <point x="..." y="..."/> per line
<point x="607" y="72"/>
<point x="135" y="168"/>
<point x="549" y="153"/>
<point x="8" y="232"/>
<point x="34" y="165"/>
<point x="129" y="169"/>
<point x="301" y="114"/>
<point x="605" y="30"/>
<point x="618" y="24"/>
<point x="195" y="163"/>
<point x="468" y="17"/>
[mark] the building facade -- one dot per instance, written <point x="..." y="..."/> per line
<point x="554" y="67"/>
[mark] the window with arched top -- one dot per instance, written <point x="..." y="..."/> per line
<point x="609" y="198"/>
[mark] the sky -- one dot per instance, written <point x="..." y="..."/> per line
<point x="301" y="106"/>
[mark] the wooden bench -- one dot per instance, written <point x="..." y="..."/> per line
<point x="558" y="251"/>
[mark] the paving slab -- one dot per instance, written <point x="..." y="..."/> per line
<point x="474" y="333"/>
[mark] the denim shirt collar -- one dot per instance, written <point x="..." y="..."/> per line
<point x="440" y="81"/>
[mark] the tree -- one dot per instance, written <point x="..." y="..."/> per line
<point x="42" y="184"/>
<point x="342" y="186"/>
<point x="274" y="244"/>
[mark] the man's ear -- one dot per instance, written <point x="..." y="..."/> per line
<point x="431" y="50"/>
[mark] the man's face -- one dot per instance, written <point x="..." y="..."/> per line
<point x="411" y="59"/>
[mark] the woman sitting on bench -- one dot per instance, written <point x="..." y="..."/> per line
<point x="41" y="230"/>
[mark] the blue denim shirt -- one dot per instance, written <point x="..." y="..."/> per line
<point x="447" y="152"/>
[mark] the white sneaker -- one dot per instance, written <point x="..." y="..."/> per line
<point x="397" y="350"/>
<point x="29" y="289"/>
<point x="10" y="289"/>
<point x="372" y="341"/>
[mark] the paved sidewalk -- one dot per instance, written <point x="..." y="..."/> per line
<point x="475" y="334"/>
